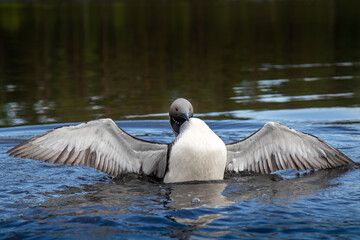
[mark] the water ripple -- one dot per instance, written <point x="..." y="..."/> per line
<point x="61" y="202"/>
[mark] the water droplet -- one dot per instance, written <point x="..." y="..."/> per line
<point x="195" y="200"/>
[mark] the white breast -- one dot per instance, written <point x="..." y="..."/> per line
<point x="198" y="154"/>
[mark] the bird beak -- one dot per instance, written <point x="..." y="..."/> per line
<point x="185" y="116"/>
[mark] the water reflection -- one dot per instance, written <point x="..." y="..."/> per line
<point x="71" y="61"/>
<point x="122" y="200"/>
<point x="292" y="61"/>
<point x="209" y="194"/>
<point x="64" y="201"/>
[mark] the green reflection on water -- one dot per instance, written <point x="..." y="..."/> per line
<point x="69" y="61"/>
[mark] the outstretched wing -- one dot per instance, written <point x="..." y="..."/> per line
<point x="275" y="146"/>
<point x="100" y="144"/>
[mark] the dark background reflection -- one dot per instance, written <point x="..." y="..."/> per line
<point x="67" y="61"/>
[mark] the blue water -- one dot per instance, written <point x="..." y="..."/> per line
<point x="40" y="200"/>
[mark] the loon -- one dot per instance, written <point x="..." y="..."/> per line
<point x="196" y="154"/>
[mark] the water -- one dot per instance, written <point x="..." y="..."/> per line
<point x="61" y="202"/>
<point x="241" y="63"/>
<point x="66" y="61"/>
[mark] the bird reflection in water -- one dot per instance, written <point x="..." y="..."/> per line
<point x="134" y="194"/>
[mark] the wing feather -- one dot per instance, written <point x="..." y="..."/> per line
<point x="275" y="147"/>
<point x="100" y="144"/>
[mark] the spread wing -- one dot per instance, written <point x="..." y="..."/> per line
<point x="275" y="147"/>
<point x="100" y="144"/>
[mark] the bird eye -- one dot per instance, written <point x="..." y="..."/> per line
<point x="176" y="109"/>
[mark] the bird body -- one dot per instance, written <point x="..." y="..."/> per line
<point x="196" y="154"/>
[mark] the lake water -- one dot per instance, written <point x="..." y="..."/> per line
<point x="241" y="63"/>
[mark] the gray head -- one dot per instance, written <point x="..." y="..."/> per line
<point x="180" y="111"/>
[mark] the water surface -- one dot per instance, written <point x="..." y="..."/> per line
<point x="241" y="63"/>
<point x="61" y="202"/>
<point x="66" y="61"/>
